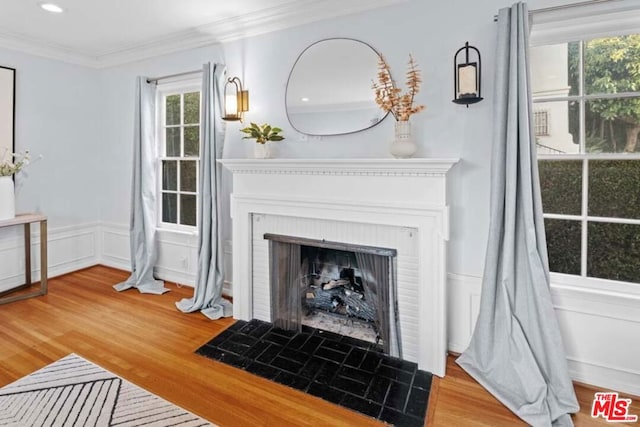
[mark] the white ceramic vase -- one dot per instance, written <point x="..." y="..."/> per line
<point x="7" y="198"/>
<point x="262" y="151"/>
<point x="403" y="146"/>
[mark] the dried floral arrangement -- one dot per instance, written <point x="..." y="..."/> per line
<point x="390" y="98"/>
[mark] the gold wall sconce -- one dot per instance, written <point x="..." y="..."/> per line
<point x="236" y="100"/>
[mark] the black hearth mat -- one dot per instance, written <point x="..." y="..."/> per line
<point x="339" y="369"/>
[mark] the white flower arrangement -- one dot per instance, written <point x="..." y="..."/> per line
<point x="12" y="163"/>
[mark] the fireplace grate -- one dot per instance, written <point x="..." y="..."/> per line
<point x="340" y="369"/>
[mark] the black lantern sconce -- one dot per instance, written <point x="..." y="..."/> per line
<point x="236" y="103"/>
<point x="466" y="88"/>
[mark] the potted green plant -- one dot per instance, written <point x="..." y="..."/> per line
<point x="262" y="134"/>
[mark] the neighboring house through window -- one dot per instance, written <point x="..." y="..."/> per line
<point x="541" y="122"/>
<point x="588" y="88"/>
<point x="179" y="154"/>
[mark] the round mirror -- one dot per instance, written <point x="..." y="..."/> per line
<point x="329" y="89"/>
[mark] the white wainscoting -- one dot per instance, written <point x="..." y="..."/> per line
<point x="177" y="254"/>
<point x="599" y="333"/>
<point x="114" y="246"/>
<point x="70" y="248"/>
<point x="463" y="303"/>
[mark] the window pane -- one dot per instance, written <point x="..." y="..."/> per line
<point x="169" y="175"/>
<point x="172" y="138"/>
<point x="561" y="186"/>
<point x="614" y="189"/>
<point x="191" y="141"/>
<point x="173" y="110"/>
<point x="613" y="251"/>
<point x="188" y="208"/>
<point x="557" y="126"/>
<point x="192" y="107"/>
<point x="188" y="176"/>
<point x="554" y="70"/>
<point x="612" y="125"/>
<point x="611" y="64"/>
<point x="169" y="208"/>
<point x="563" y="245"/>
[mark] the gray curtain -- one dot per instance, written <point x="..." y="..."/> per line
<point x="516" y="351"/>
<point x="210" y="275"/>
<point x="286" y="291"/>
<point x="143" y="220"/>
<point x="383" y="296"/>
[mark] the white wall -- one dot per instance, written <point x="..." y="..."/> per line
<point x="264" y="62"/>
<point x="81" y="120"/>
<point x="444" y="129"/>
<point x="57" y="116"/>
<point x="117" y="87"/>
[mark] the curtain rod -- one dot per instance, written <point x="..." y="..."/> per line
<point x="186" y="73"/>
<point x="561" y="7"/>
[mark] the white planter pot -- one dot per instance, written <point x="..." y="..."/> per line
<point x="7" y="198"/>
<point x="403" y="146"/>
<point x="261" y="151"/>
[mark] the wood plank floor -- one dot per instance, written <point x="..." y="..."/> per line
<point x="144" y="339"/>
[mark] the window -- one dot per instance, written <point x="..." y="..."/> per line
<point x="589" y="160"/>
<point x="541" y="122"/>
<point x="179" y="137"/>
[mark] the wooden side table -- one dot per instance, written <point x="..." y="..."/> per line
<point x="27" y="219"/>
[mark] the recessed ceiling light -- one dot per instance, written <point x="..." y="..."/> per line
<point x="50" y="7"/>
<point x="304" y="99"/>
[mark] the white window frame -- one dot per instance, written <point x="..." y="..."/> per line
<point x="164" y="90"/>
<point x="604" y="287"/>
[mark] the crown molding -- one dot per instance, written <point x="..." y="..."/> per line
<point x="45" y="49"/>
<point x="288" y="15"/>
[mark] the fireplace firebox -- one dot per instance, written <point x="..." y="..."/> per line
<point x="343" y="288"/>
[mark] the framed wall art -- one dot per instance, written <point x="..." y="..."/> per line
<point x="7" y="110"/>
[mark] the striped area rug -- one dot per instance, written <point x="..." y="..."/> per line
<point x="75" y="392"/>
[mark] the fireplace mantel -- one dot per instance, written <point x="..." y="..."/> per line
<point x="375" y="202"/>
<point x="389" y="167"/>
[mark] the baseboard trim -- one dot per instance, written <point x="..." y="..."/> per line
<point x="598" y="375"/>
<point x="175" y="276"/>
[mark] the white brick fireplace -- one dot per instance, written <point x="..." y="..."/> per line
<point x="391" y="203"/>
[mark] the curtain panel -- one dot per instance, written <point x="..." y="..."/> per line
<point x="210" y="274"/>
<point x="516" y="351"/>
<point x="143" y="219"/>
